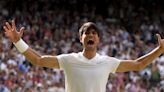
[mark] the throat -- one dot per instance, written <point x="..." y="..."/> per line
<point x="89" y="54"/>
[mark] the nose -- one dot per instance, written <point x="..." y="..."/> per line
<point x="91" y="34"/>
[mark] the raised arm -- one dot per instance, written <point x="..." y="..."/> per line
<point x="143" y="61"/>
<point x="34" y="57"/>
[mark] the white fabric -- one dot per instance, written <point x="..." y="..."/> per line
<point x="21" y="46"/>
<point x="86" y="75"/>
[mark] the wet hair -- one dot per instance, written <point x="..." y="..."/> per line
<point x="88" y="26"/>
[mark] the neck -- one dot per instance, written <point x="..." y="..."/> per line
<point x="89" y="54"/>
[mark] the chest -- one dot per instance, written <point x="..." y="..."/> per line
<point x="87" y="70"/>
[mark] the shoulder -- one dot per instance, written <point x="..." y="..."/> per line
<point x="67" y="55"/>
<point x="108" y="58"/>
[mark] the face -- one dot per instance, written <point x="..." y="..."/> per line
<point x="89" y="39"/>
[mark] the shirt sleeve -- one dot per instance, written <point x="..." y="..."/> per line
<point x="62" y="60"/>
<point x="113" y="64"/>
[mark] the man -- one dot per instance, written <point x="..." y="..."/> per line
<point x="86" y="71"/>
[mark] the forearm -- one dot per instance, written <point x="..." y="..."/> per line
<point x="35" y="58"/>
<point x="149" y="58"/>
<point x="32" y="56"/>
<point x="29" y="53"/>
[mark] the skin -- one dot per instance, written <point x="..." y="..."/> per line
<point x="89" y="51"/>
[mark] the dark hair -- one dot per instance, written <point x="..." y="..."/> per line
<point x="87" y="26"/>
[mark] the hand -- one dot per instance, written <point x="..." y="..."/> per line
<point x="12" y="33"/>
<point x="160" y="42"/>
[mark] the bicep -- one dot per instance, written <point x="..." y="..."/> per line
<point x="49" y="61"/>
<point x="128" y="65"/>
<point x="41" y="60"/>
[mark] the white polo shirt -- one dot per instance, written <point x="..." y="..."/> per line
<point x="86" y="75"/>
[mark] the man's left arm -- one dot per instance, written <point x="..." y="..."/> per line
<point x="141" y="62"/>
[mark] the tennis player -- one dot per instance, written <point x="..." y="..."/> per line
<point x="86" y="71"/>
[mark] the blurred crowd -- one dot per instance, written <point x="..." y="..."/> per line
<point x="128" y="29"/>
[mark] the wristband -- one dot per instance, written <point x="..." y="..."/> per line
<point x="21" y="46"/>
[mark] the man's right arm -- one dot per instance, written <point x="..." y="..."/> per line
<point x="43" y="61"/>
<point x="34" y="57"/>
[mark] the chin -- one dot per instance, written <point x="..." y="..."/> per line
<point x="90" y="48"/>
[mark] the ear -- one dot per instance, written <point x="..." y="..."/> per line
<point x="98" y="40"/>
<point x="80" y="39"/>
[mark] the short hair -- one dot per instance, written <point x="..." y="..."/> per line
<point x="87" y="26"/>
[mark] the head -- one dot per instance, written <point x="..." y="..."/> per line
<point x="89" y="36"/>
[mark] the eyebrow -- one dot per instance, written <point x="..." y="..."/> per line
<point x="91" y="30"/>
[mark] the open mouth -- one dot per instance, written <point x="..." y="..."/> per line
<point x="90" y="42"/>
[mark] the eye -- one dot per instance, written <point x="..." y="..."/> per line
<point x="94" y="32"/>
<point x="87" y="32"/>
